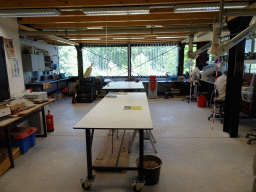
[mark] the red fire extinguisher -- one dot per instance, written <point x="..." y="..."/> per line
<point x="153" y="83"/>
<point x="49" y="120"/>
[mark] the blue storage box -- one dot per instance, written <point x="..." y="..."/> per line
<point x="24" y="138"/>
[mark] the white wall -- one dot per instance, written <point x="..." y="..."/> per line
<point x="9" y="30"/>
<point x="52" y="51"/>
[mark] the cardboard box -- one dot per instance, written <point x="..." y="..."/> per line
<point x="17" y="106"/>
<point x="5" y="161"/>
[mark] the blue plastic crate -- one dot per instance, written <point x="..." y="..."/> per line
<point x="24" y="144"/>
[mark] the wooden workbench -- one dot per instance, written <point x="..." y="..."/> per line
<point x="11" y="122"/>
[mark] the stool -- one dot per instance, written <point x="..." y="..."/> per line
<point x="220" y="114"/>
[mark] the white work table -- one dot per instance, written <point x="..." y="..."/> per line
<point x="109" y="113"/>
<point x="124" y="85"/>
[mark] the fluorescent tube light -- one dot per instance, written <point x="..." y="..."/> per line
<point x="115" y="11"/>
<point x="154" y="26"/>
<point x="85" y="39"/>
<point x="173" y="37"/>
<point x="94" y="27"/>
<point x="30" y="13"/>
<point x="208" y="7"/>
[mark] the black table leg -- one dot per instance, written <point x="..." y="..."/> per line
<point x="141" y="176"/>
<point x="44" y="125"/>
<point x="9" y="146"/>
<point x="89" y="153"/>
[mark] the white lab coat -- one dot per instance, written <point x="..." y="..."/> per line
<point x="221" y="83"/>
<point x="195" y="74"/>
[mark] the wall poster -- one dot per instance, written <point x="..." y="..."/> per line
<point x="9" y="48"/>
<point x="15" y="67"/>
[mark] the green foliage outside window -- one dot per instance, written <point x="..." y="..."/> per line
<point x="113" y="60"/>
<point x="154" y="60"/>
<point x="186" y="68"/>
<point x="68" y="60"/>
<point x="107" y="61"/>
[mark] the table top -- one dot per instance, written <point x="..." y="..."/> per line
<point x="10" y="120"/>
<point x="211" y="82"/>
<point x="124" y="85"/>
<point x="109" y="113"/>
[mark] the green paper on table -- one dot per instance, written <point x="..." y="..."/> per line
<point x="111" y="96"/>
<point x="132" y="108"/>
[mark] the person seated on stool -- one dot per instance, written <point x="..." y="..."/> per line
<point x="196" y="74"/>
<point x="221" y="83"/>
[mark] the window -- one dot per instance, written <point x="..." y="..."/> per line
<point x="68" y="60"/>
<point x="186" y="67"/>
<point x="248" y="46"/>
<point x="154" y="59"/>
<point x="107" y="60"/>
<point x="255" y="45"/>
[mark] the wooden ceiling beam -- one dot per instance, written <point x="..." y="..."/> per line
<point x="175" y="29"/>
<point x="252" y="6"/>
<point x="161" y="10"/>
<point x="119" y="35"/>
<point x="49" y="36"/>
<point x="131" y="35"/>
<point x="130" y="41"/>
<point x="14" y="4"/>
<point x="121" y="18"/>
<point x="122" y="24"/>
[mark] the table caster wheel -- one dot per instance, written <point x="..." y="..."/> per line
<point x="135" y="190"/>
<point x="247" y="136"/>
<point x="85" y="187"/>
<point x="249" y="142"/>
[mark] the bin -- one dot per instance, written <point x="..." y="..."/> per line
<point x="151" y="175"/>
<point x="201" y="101"/>
<point x="22" y="137"/>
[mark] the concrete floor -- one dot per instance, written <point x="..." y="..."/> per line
<point x="197" y="156"/>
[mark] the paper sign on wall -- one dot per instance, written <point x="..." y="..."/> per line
<point x="15" y="67"/>
<point x="9" y="48"/>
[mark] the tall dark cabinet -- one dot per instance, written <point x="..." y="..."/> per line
<point x="4" y="83"/>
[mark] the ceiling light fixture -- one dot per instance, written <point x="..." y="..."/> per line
<point x="30" y="13"/>
<point x="94" y="27"/>
<point x="173" y="37"/>
<point x="85" y="39"/>
<point x="154" y="26"/>
<point x="208" y="7"/>
<point x="115" y="11"/>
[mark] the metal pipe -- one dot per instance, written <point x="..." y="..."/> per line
<point x="221" y="15"/>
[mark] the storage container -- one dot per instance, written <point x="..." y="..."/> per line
<point x="22" y="137"/>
